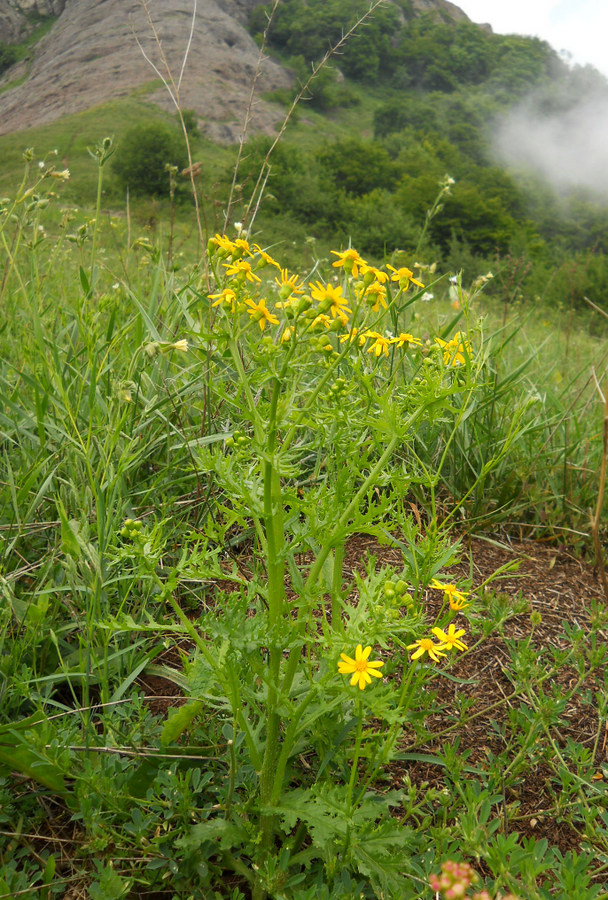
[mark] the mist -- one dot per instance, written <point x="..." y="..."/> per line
<point x="568" y="147"/>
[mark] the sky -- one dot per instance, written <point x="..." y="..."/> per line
<point x="579" y="27"/>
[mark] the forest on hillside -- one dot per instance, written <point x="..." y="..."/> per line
<point x="441" y="92"/>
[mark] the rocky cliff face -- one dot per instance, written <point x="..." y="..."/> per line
<point x="93" y="54"/>
<point x="16" y="20"/>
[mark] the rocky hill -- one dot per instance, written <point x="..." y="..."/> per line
<point x="91" y="55"/>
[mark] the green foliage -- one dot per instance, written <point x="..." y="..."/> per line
<point x="143" y="155"/>
<point x="8" y="55"/>
<point x="136" y="465"/>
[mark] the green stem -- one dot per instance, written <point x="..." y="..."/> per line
<point x="95" y="229"/>
<point x="382" y="758"/>
<point x="317" y="566"/>
<point x="288" y="742"/>
<point x="336" y="586"/>
<point x="275" y="544"/>
<point x="354" y="770"/>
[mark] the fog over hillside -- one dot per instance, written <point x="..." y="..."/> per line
<point x="565" y="142"/>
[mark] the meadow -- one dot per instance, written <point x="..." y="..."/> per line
<point x="263" y="534"/>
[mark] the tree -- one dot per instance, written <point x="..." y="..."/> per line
<point x="144" y="154"/>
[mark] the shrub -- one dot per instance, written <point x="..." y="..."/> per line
<point x="144" y="154"/>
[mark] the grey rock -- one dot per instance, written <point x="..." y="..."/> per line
<point x="96" y="52"/>
<point x="15" y="25"/>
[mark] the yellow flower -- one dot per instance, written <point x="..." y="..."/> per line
<point x="241" y="247"/>
<point x="260" y="314"/>
<point x="406" y="339"/>
<point x="265" y="257"/>
<point x="361" y="667"/>
<point x="451" y="638"/>
<point x="319" y="320"/>
<point x="404" y="276"/>
<point x="226" y="298"/>
<point x="454" y="350"/>
<point x="287" y="333"/>
<point x="426" y="645"/>
<point x="375" y="295"/>
<point x="350" y="337"/>
<point x="330" y="298"/>
<point x="241" y="269"/>
<point x="350" y="259"/>
<point x="370" y="273"/>
<point x="380" y="343"/>
<point x="457" y="599"/>
<point x="223" y="242"/>
<point x="288" y="284"/>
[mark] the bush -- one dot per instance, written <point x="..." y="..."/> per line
<point x="8" y="56"/>
<point x="143" y="155"/>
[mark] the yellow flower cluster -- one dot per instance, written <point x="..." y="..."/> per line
<point x="455" y="350"/>
<point x="324" y="308"/>
<point x="448" y="640"/>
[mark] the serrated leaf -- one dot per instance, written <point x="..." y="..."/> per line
<point x="179" y="720"/>
<point x="218" y="831"/>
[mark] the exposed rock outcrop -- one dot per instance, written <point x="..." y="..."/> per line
<point x="16" y="20"/>
<point x="96" y="52"/>
<point x="91" y="55"/>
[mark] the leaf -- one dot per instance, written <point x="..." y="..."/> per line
<point x="69" y="531"/>
<point x="179" y="720"/>
<point x="17" y="754"/>
<point x="219" y="831"/>
<point x="84" y="281"/>
<point x="110" y="885"/>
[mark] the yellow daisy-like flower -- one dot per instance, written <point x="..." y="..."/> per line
<point x="380" y="343"/>
<point x="454" y="350"/>
<point x="404" y="277"/>
<point x="450" y="639"/>
<point x="457" y="599"/>
<point x="426" y="645"/>
<point x="361" y="667"/>
<point x="288" y="284"/>
<point x="223" y="242"/>
<point x="405" y="339"/>
<point x="241" y="269"/>
<point x="265" y="258"/>
<point x="353" y="335"/>
<point x="350" y="259"/>
<point x="371" y="273"/>
<point x="241" y="248"/>
<point x="226" y="298"/>
<point x="319" y="320"/>
<point x="375" y="295"/>
<point x="260" y="314"/>
<point x="330" y="297"/>
<point x="287" y="333"/>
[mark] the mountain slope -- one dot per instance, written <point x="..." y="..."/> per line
<point x="91" y="55"/>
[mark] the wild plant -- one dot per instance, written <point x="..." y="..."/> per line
<point x="314" y="405"/>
